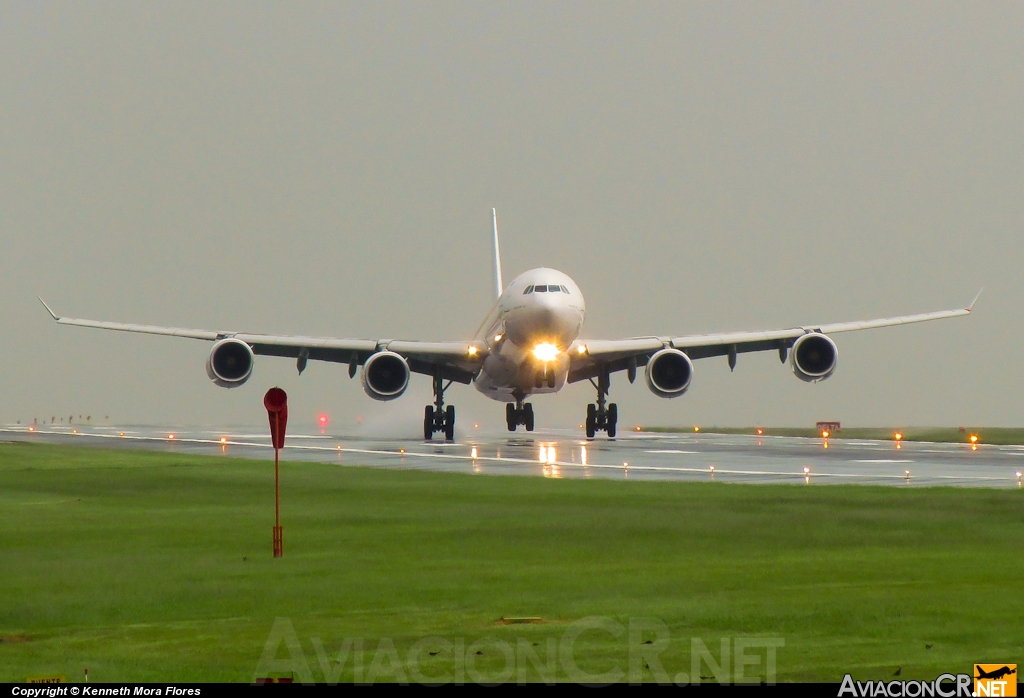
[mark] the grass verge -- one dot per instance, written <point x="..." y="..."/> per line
<point x="144" y="566"/>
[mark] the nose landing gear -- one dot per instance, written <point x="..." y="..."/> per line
<point x="601" y="417"/>
<point x="519" y="413"/>
<point x="437" y="417"/>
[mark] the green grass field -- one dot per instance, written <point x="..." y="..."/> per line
<point x="990" y="435"/>
<point x="144" y="566"/>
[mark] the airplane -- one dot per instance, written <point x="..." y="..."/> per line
<point x="995" y="674"/>
<point x="529" y="344"/>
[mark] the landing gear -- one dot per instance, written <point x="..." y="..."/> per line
<point x="601" y="417"/>
<point x="519" y="413"/>
<point x="437" y="417"/>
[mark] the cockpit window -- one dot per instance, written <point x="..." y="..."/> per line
<point x="541" y="289"/>
<point x="564" y="289"/>
<point x="529" y="289"/>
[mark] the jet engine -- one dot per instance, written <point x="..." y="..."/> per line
<point x="230" y="363"/>
<point x="668" y="373"/>
<point x="814" y="357"/>
<point x="385" y="375"/>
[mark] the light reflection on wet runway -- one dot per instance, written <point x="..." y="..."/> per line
<point x="555" y="453"/>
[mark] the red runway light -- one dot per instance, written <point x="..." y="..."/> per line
<point x="323" y="419"/>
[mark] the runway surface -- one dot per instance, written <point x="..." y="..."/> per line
<point x="555" y="453"/>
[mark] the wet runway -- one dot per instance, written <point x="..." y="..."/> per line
<point x="556" y="453"/>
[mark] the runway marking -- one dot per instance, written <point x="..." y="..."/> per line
<point x="669" y="450"/>
<point x="882" y="460"/>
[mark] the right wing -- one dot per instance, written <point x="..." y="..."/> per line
<point x="457" y="361"/>
<point x="591" y="359"/>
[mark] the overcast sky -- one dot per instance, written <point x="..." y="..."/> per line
<point x="329" y="169"/>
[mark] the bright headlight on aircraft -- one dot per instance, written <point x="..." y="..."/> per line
<point x="472" y="350"/>
<point x="582" y="349"/>
<point x="545" y="352"/>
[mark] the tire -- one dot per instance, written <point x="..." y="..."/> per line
<point x="511" y="418"/>
<point x="592" y="413"/>
<point x="529" y="416"/>
<point x="428" y="423"/>
<point x="613" y="420"/>
<point x="590" y="427"/>
<point x="449" y="423"/>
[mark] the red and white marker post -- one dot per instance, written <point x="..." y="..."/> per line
<point x="276" y="402"/>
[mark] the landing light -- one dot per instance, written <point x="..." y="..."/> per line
<point x="497" y="337"/>
<point x="545" y="352"/>
<point x="582" y="349"/>
<point x="472" y="351"/>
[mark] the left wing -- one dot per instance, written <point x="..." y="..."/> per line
<point x="591" y="359"/>
<point x="457" y="361"/>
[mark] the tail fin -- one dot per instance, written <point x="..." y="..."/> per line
<point x="498" y="286"/>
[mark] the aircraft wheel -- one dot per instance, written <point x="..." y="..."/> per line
<point x="528" y="420"/>
<point x="590" y="427"/>
<point x="449" y="423"/>
<point x="428" y="423"/>
<point x="613" y="419"/>
<point x="511" y="418"/>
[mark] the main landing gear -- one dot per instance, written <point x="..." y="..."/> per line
<point x="600" y="417"/>
<point x="519" y="413"/>
<point x="437" y="417"/>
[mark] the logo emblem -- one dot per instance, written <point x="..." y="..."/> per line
<point x="995" y="680"/>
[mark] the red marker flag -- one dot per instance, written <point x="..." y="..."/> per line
<point x="276" y="402"/>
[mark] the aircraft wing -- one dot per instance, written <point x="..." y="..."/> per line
<point x="590" y="359"/>
<point x="458" y="361"/>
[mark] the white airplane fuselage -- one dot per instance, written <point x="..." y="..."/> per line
<point x="536" y="319"/>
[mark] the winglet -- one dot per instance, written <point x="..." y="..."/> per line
<point x="52" y="314"/>
<point x="971" y="306"/>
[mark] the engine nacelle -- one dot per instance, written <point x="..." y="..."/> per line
<point x="385" y="375"/>
<point x="230" y="363"/>
<point x="814" y="357"/>
<point x="668" y="373"/>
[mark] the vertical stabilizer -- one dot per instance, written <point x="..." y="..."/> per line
<point x="498" y="286"/>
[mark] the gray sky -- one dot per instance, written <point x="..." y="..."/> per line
<point x="329" y="169"/>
